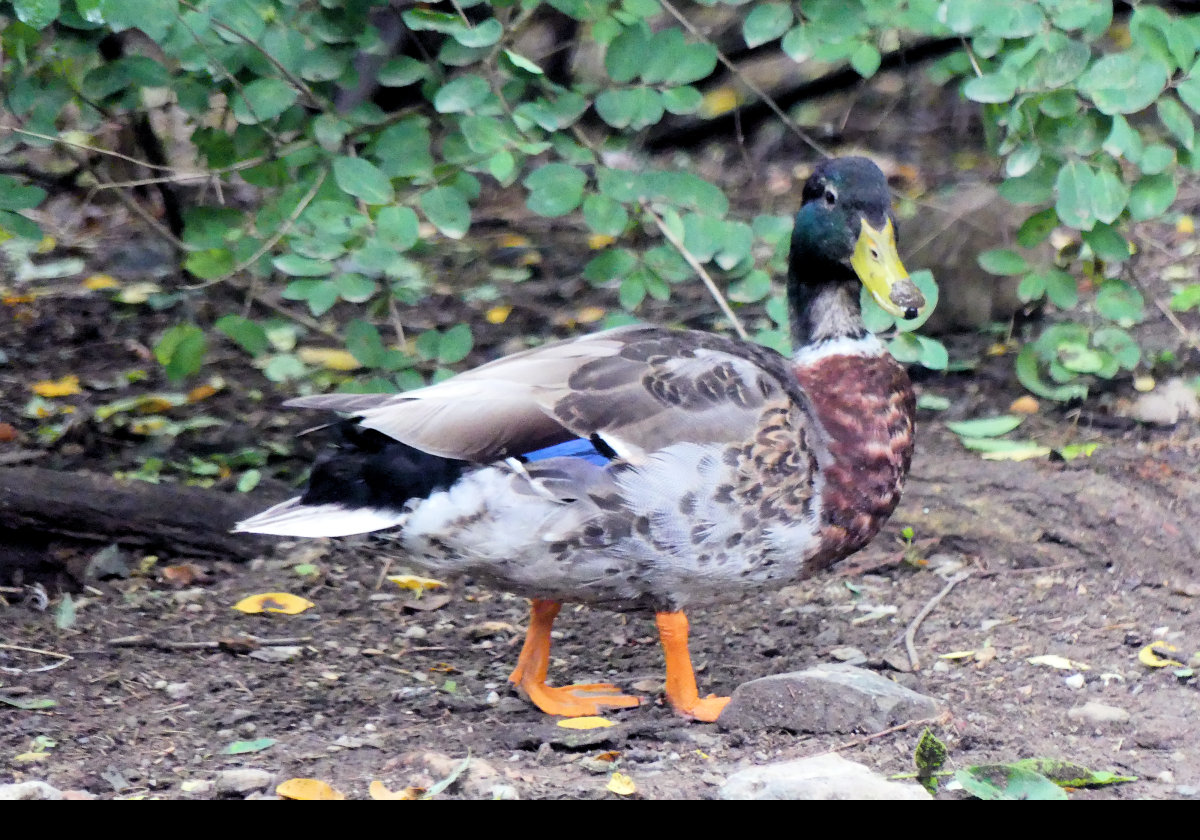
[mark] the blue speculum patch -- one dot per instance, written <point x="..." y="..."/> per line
<point x="577" y="448"/>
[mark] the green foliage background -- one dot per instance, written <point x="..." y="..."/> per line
<point x="1093" y="117"/>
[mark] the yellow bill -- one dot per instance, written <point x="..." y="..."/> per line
<point x="878" y="266"/>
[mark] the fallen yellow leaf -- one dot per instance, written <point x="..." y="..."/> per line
<point x="378" y="790"/>
<point x="498" y="314"/>
<point x="415" y="582"/>
<point x="100" y="281"/>
<point x="514" y="240"/>
<point x="64" y="387"/>
<point x="1060" y="662"/>
<point x="200" y="392"/>
<point x="46" y="245"/>
<point x="277" y="602"/>
<point x="590" y="314"/>
<point x="600" y="240"/>
<point x="307" y="789"/>
<point x="621" y="785"/>
<point x="958" y="654"/>
<point x="329" y="358"/>
<point x="1149" y="657"/>
<point x="1024" y="405"/>
<point x="1185" y="224"/>
<point x="719" y="101"/>
<point x="1143" y="383"/>
<point x="591" y="722"/>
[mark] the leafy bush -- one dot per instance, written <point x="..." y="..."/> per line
<point x="345" y="185"/>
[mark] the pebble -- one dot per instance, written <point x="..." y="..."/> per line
<point x="822" y="777"/>
<point x="1075" y="681"/>
<point x="416" y="632"/>
<point x="1098" y="713"/>
<point x="827" y="698"/>
<point x="242" y="780"/>
<point x="848" y="654"/>
<point x="178" y="690"/>
<point x="21" y="791"/>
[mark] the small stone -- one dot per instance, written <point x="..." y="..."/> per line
<point x="242" y="780"/>
<point x="197" y="786"/>
<point x="1097" y="714"/>
<point x="492" y="698"/>
<point x="848" y="654"/>
<point x="822" y="777"/>
<point x="1075" y="681"/>
<point x="178" y="690"/>
<point x="416" y="632"/>
<point x="29" y="790"/>
<point x="1167" y="777"/>
<point x="505" y="792"/>
<point x="277" y="653"/>
<point x="827" y="698"/>
<point x="1187" y="790"/>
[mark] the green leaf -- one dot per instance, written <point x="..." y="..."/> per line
<point x="522" y="63"/>
<point x="1151" y="197"/>
<point x="403" y="150"/>
<point x="752" y="288"/>
<point x="402" y="71"/>
<point x="1036" y="228"/>
<point x="1022" y="159"/>
<point x="991" y="88"/>
<point x="1061" y="288"/>
<point x="1177" y="121"/>
<point x="17" y="196"/>
<point x="1120" y="302"/>
<point x="634" y="108"/>
<point x="362" y="179"/>
<point x="295" y="265"/>
<point x="210" y="263"/>
<point x="985" y="427"/>
<point x="933" y="402"/>
<point x="1007" y="781"/>
<point x="64" y="616"/>
<point x="682" y="100"/>
<point x="263" y="100"/>
<point x="1109" y="195"/>
<point x="1187" y="298"/>
<point x="1107" y="243"/>
<point x="605" y="216"/>
<point x="181" y="351"/>
<point x="627" y="54"/>
<point x="1003" y="262"/>
<point x="465" y="93"/>
<point x="1075" y="186"/>
<point x="612" y="264"/>
<point x="448" y="210"/>
<point x="365" y="344"/>
<point x="483" y="34"/>
<point x="1120" y="344"/>
<point x="37" y="13"/>
<point x="249" y="335"/>
<point x="243" y="747"/>
<point x="1069" y="774"/>
<point x="865" y="60"/>
<point x="398" y="227"/>
<point x="1123" y="83"/>
<point x="555" y="189"/>
<point x="455" y="345"/>
<point x="766" y="22"/>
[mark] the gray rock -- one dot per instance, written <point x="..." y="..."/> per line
<point x="242" y="780"/>
<point x="1098" y="713"/>
<point x="825" y="777"/>
<point x="827" y="698"/>
<point x="29" y="790"/>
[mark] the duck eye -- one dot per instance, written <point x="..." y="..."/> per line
<point x="830" y="196"/>
<point x="874" y="255"/>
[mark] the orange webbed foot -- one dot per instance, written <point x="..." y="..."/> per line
<point x="564" y="701"/>
<point x="706" y="709"/>
<point x="577" y="700"/>
<point x="681" y="679"/>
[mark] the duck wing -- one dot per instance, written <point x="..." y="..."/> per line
<point x="636" y="389"/>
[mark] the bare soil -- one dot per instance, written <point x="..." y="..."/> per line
<point x="1091" y="559"/>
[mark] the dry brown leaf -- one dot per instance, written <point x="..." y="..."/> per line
<point x="8" y="432"/>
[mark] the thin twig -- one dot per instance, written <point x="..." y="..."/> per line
<point x="271" y="240"/>
<point x="62" y="657"/>
<point x="910" y="635"/>
<point x="147" y="641"/>
<point x="943" y="718"/>
<point x="1188" y="337"/>
<point x="699" y="269"/>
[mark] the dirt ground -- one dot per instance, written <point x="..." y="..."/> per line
<point x="375" y="684"/>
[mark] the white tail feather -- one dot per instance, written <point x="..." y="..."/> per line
<point x="293" y="519"/>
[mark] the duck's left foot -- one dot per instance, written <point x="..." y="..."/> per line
<point x="706" y="709"/>
<point x="577" y="700"/>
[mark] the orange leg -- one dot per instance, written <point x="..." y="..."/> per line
<point x="530" y="674"/>
<point x="681" y="680"/>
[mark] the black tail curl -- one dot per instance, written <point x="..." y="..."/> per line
<point x="369" y="469"/>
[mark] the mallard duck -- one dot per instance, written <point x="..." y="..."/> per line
<point x="644" y="468"/>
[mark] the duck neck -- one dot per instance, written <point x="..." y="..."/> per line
<point x="824" y="311"/>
